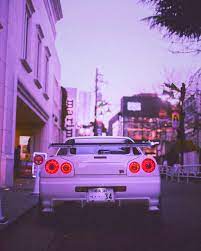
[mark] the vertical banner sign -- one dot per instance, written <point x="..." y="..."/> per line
<point x="70" y="119"/>
<point x="175" y="120"/>
<point x="68" y="116"/>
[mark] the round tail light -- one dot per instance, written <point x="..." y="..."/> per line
<point x="148" y="165"/>
<point x="38" y="159"/>
<point x="51" y="166"/>
<point x="66" y="167"/>
<point x="134" y="167"/>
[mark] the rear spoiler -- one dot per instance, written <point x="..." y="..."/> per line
<point x="69" y="145"/>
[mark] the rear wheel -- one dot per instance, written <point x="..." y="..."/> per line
<point x="156" y="215"/>
<point x="44" y="217"/>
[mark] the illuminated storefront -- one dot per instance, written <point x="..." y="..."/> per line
<point x="143" y="117"/>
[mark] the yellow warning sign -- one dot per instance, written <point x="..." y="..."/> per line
<point x="175" y="119"/>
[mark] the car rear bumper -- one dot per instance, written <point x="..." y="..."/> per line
<point x="140" y="189"/>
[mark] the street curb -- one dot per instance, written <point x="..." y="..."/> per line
<point x="15" y="220"/>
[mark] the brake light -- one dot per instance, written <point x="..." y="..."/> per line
<point x="134" y="167"/>
<point x="66" y="167"/>
<point x="148" y="165"/>
<point x="51" y="166"/>
<point x="38" y="159"/>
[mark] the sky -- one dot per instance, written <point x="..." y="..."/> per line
<point x="111" y="36"/>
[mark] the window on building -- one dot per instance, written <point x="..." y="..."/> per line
<point x="26" y="32"/>
<point x="38" y="56"/>
<point x="29" y="10"/>
<point x="56" y="94"/>
<point x="39" y="37"/>
<point x="26" y="47"/>
<point x="50" y="14"/>
<point x="46" y="73"/>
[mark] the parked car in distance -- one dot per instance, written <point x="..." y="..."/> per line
<point x="93" y="170"/>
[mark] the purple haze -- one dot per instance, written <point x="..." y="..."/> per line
<point x="109" y="35"/>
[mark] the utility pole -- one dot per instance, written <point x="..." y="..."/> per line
<point x="96" y="103"/>
<point x="99" y="104"/>
<point x="181" y="129"/>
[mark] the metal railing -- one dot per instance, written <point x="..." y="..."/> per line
<point x="181" y="172"/>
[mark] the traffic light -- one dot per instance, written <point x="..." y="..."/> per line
<point x="175" y="119"/>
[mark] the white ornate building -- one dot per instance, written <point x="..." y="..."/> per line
<point x="29" y="79"/>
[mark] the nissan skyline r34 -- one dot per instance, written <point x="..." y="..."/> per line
<point x="92" y="170"/>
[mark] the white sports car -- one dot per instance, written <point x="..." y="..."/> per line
<point x="91" y="170"/>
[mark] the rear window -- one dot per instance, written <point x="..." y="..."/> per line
<point x="96" y="149"/>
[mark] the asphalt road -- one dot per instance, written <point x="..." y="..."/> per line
<point x="113" y="228"/>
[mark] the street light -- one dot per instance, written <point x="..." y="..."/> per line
<point x="96" y="102"/>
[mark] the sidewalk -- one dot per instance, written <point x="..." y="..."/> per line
<point x="17" y="200"/>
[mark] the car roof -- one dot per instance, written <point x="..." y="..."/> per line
<point x="100" y="139"/>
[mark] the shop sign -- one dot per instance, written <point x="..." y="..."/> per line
<point x="70" y="119"/>
<point x="133" y="106"/>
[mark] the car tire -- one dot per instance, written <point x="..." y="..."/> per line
<point x="44" y="217"/>
<point x="155" y="217"/>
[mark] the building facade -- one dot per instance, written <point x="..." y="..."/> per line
<point x="29" y="80"/>
<point x="85" y="114"/>
<point x="192" y="108"/>
<point x="144" y="117"/>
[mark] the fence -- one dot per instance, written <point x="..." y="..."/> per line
<point x="181" y="172"/>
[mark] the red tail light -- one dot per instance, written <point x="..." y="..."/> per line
<point x="148" y="165"/>
<point x="38" y="159"/>
<point x="134" y="167"/>
<point x="51" y="166"/>
<point x="66" y="167"/>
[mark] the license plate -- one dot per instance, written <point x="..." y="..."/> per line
<point x="100" y="195"/>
